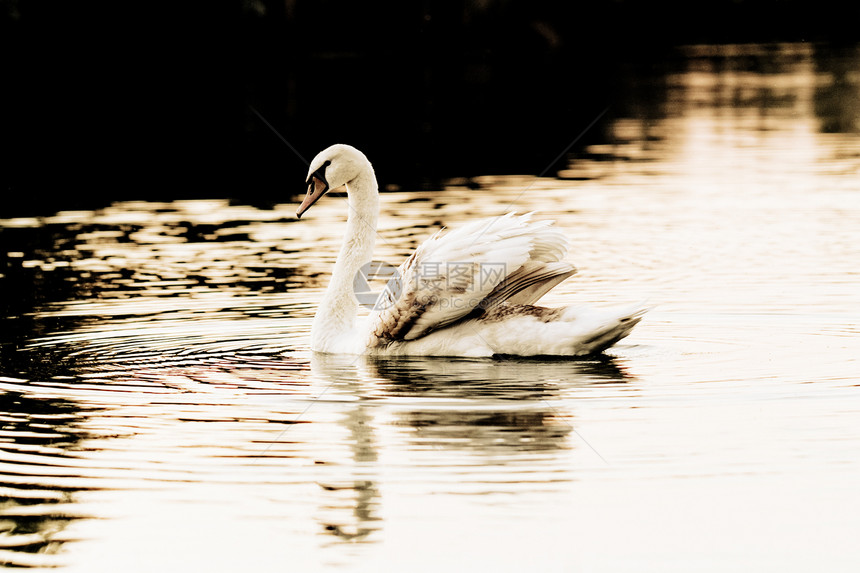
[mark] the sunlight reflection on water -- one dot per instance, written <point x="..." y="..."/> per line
<point x="164" y="404"/>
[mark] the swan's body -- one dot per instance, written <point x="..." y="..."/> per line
<point x="469" y="292"/>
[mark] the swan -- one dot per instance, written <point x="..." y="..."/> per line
<point x="468" y="292"/>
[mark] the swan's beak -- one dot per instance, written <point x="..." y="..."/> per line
<point x="316" y="189"/>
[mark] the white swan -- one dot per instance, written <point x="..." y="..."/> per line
<point x="468" y="292"/>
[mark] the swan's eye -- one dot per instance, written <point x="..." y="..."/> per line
<point x="320" y="173"/>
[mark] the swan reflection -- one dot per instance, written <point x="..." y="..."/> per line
<point x="489" y="414"/>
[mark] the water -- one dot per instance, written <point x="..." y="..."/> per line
<point x="161" y="409"/>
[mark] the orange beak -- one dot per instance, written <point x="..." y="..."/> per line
<point x="316" y="189"/>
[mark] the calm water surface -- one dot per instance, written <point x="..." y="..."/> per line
<point x="161" y="409"/>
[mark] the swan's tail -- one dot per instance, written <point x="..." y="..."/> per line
<point x="611" y="331"/>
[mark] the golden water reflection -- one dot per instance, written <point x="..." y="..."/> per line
<point x="160" y="403"/>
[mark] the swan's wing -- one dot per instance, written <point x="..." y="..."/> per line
<point x="529" y="283"/>
<point x="478" y="265"/>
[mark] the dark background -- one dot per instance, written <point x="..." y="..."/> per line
<point x="104" y="101"/>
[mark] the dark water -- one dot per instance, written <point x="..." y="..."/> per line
<point x="161" y="409"/>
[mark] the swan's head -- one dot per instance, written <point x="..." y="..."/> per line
<point x="332" y="168"/>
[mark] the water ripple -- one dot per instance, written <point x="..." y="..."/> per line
<point x="158" y="397"/>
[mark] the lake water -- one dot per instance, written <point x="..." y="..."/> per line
<point x="161" y="409"/>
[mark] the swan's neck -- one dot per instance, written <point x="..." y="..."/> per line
<point x="335" y="318"/>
